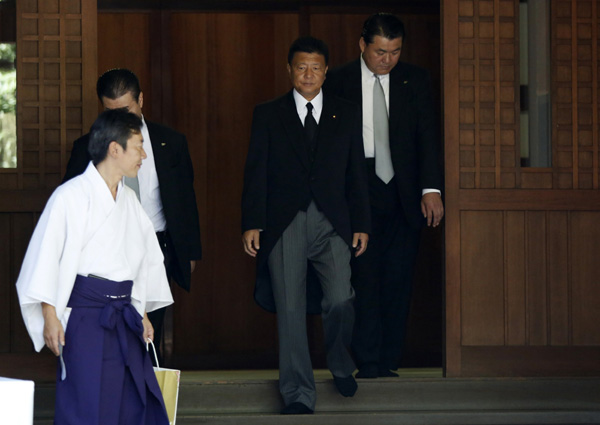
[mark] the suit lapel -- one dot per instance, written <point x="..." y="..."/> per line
<point x="328" y="128"/>
<point x="158" y="145"/>
<point x="294" y="128"/>
<point x="399" y="93"/>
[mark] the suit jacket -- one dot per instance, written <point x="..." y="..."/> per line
<point x="176" y="183"/>
<point x="281" y="178"/>
<point x="414" y="140"/>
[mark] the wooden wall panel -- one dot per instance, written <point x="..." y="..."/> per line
<point x="549" y="243"/>
<point x="214" y="94"/>
<point x="558" y="277"/>
<point x="536" y="278"/>
<point x="125" y="40"/>
<point x="585" y="296"/>
<point x="515" y="278"/>
<point x="482" y="290"/>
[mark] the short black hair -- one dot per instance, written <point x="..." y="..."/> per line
<point x="112" y="125"/>
<point x="117" y="82"/>
<point x="384" y="25"/>
<point x="308" y="44"/>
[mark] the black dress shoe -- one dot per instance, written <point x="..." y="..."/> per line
<point x="386" y="373"/>
<point x="346" y="386"/>
<point x="368" y="371"/>
<point x="296" y="408"/>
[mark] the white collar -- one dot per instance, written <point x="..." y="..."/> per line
<point x="317" y="103"/>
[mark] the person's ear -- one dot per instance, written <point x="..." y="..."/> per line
<point x="113" y="148"/>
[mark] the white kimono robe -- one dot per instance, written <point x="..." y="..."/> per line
<point x="83" y="230"/>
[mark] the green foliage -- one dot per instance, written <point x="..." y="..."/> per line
<point x="8" y="78"/>
<point x="8" y="90"/>
<point x="8" y="52"/>
<point x="8" y="104"/>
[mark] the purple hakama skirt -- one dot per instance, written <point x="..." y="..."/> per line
<point x="109" y="375"/>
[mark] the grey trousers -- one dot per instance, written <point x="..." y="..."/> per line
<point x="311" y="237"/>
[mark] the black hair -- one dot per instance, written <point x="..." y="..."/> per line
<point x="308" y="44"/>
<point x="384" y="25"/>
<point x="112" y="125"/>
<point x="117" y="82"/>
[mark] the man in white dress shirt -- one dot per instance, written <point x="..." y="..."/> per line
<point x="401" y="143"/>
<point x="165" y="185"/>
<point x="305" y="201"/>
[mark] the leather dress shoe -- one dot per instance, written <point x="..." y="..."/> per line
<point x="386" y="373"/>
<point x="296" y="408"/>
<point x="346" y="386"/>
<point x="367" y="371"/>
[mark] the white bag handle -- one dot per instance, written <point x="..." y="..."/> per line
<point x="149" y="342"/>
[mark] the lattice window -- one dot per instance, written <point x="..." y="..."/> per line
<point x="488" y="98"/>
<point x="50" y="89"/>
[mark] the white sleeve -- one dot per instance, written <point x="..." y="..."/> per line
<point x="151" y="289"/>
<point x="49" y="267"/>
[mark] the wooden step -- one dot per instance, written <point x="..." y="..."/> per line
<point x="420" y="396"/>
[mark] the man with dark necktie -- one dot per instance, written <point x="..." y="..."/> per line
<point x="305" y="202"/>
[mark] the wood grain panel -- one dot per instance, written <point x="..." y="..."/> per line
<point x="482" y="281"/>
<point x="530" y="361"/>
<point x="453" y="137"/>
<point x="585" y="296"/>
<point x="124" y="41"/>
<point x="536" y="278"/>
<point x="216" y="116"/>
<point x="557" y="235"/>
<point x="516" y="264"/>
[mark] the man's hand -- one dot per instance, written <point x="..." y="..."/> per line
<point x="251" y="241"/>
<point x="360" y="241"/>
<point x="54" y="334"/>
<point x="432" y="208"/>
<point x="192" y="266"/>
<point x="148" y="329"/>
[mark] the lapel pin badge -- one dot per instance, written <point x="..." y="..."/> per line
<point x="334" y="116"/>
<point x="405" y="81"/>
<point x="163" y="144"/>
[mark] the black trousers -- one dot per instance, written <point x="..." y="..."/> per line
<point x="382" y="279"/>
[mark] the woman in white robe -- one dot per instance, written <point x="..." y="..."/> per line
<point x="93" y="230"/>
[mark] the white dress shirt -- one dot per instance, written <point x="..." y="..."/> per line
<point x="149" y="189"/>
<point x="368" y="80"/>
<point x="301" y="102"/>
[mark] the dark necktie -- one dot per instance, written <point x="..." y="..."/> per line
<point x="310" y="126"/>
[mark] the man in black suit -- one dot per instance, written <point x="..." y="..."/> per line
<point x="164" y="185"/>
<point x="405" y="181"/>
<point x="305" y="201"/>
